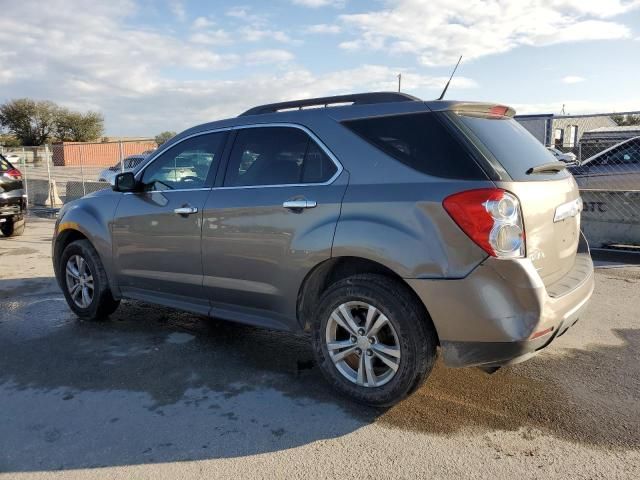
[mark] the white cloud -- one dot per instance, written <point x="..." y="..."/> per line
<point x="203" y="22"/>
<point x="319" y="3"/>
<point x="323" y="28"/>
<point x="211" y="37"/>
<point x="178" y="10"/>
<point x="569" y="79"/>
<point x="95" y="58"/>
<point x="438" y="31"/>
<point x="255" y="34"/>
<point x="260" y="57"/>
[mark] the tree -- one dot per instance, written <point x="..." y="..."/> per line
<point x="625" y="120"/>
<point x="35" y="122"/>
<point x="164" y="137"/>
<point x="31" y="121"/>
<point x="78" y="127"/>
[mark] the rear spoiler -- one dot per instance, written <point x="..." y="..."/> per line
<point x="485" y="110"/>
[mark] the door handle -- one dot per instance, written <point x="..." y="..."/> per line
<point x="185" y="210"/>
<point x="299" y="204"/>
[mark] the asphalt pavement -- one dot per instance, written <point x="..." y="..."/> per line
<point x="155" y="393"/>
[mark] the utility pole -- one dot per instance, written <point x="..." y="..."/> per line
<point x="399" y="81"/>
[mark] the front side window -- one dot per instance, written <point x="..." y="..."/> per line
<point x="185" y="165"/>
<point x="276" y="156"/>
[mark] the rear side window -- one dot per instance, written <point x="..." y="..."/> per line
<point x="4" y="165"/>
<point x="420" y="141"/>
<point x="277" y="156"/>
<point x="511" y="145"/>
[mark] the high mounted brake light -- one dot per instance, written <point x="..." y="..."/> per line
<point x="491" y="217"/>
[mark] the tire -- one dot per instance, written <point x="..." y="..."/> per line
<point x="408" y="330"/>
<point x="101" y="304"/>
<point x="12" y="228"/>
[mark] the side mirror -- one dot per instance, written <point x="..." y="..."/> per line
<point x="125" y="182"/>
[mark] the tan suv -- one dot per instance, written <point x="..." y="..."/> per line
<point x="385" y="226"/>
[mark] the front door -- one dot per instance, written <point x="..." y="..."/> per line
<point x="156" y="232"/>
<point x="269" y="223"/>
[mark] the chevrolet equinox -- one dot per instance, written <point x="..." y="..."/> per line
<point x="385" y="226"/>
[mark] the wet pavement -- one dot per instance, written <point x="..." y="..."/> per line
<point x="155" y="393"/>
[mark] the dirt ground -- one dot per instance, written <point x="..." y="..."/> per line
<point x="154" y="393"/>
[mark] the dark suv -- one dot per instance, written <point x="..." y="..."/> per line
<point x="13" y="201"/>
<point x="383" y="225"/>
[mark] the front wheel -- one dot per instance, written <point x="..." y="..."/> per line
<point x="84" y="282"/>
<point x="372" y="340"/>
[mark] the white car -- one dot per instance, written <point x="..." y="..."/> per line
<point x="128" y="164"/>
<point x="567" y="157"/>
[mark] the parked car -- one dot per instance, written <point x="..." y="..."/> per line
<point x="13" y="200"/>
<point x="616" y="168"/>
<point x="128" y="164"/>
<point x="383" y="225"/>
<point x="566" y="157"/>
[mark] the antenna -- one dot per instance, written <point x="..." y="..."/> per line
<point x="452" y="74"/>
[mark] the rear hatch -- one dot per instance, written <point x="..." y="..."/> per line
<point x="548" y="194"/>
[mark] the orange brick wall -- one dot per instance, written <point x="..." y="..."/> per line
<point x="96" y="154"/>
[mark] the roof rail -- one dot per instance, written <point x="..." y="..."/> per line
<point x="353" y="99"/>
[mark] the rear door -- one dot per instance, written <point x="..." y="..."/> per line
<point x="156" y="232"/>
<point x="270" y="221"/>
<point x="552" y="243"/>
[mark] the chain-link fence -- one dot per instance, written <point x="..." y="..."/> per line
<point x="607" y="170"/>
<point x="55" y="174"/>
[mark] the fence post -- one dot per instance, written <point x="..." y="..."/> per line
<point x="23" y="164"/>
<point x="46" y="158"/>
<point x="121" y="155"/>
<point x="84" y="189"/>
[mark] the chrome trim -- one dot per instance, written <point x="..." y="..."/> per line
<point x="313" y="136"/>
<point x="169" y="191"/>
<point x="568" y="210"/>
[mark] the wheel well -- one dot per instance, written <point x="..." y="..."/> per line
<point x="64" y="239"/>
<point x="333" y="270"/>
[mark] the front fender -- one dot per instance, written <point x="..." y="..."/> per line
<point x="92" y="217"/>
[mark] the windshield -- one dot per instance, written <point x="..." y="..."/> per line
<point x="511" y="145"/>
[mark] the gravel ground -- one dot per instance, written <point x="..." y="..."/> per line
<point x="155" y="393"/>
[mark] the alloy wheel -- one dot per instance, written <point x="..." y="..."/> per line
<point x="79" y="281"/>
<point x="362" y="344"/>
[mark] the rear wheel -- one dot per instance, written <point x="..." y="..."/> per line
<point x="12" y="228"/>
<point x="372" y="341"/>
<point x="84" y="282"/>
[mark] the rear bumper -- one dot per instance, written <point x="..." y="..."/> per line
<point x="502" y="312"/>
<point x="13" y="205"/>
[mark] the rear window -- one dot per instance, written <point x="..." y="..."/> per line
<point x="420" y="141"/>
<point x="511" y="145"/>
<point x="4" y="165"/>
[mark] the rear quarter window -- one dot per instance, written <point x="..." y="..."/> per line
<point x="5" y="166"/>
<point x="420" y="141"/>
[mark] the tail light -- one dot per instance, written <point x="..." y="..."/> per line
<point x="13" y="173"/>
<point x="491" y="217"/>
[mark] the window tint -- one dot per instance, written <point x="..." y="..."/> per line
<point x="4" y="165"/>
<point x="511" y="145"/>
<point x="185" y="165"/>
<point x="276" y="156"/>
<point x="420" y="141"/>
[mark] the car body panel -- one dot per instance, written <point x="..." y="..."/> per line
<point x="256" y="253"/>
<point x="157" y="250"/>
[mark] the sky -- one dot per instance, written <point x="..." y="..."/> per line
<point x="151" y="66"/>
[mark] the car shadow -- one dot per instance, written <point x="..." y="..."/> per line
<point x="155" y="385"/>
